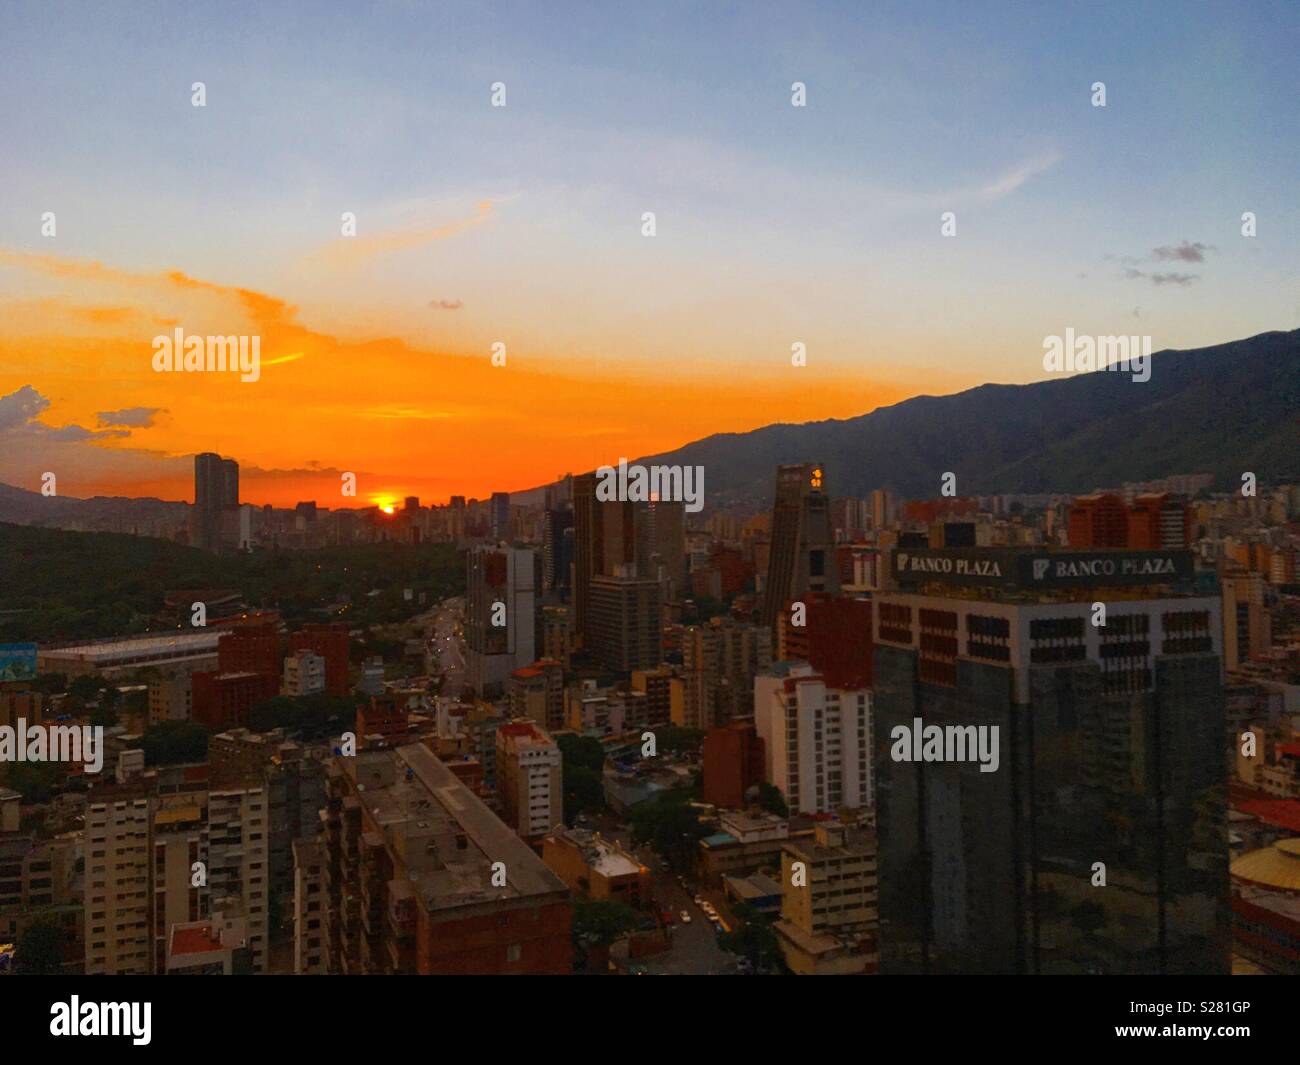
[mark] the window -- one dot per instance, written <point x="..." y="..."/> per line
<point x="514" y="952"/>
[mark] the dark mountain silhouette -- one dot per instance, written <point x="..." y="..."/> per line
<point x="1224" y="410"/>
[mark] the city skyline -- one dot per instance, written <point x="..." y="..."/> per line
<point x="775" y="225"/>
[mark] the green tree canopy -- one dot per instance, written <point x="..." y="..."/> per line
<point x="39" y="950"/>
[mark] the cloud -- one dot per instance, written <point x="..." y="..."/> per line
<point x="446" y="305"/>
<point x="351" y="252"/>
<point x="19" y="408"/>
<point x="1009" y="182"/>
<point x="1185" y="252"/>
<point x="1182" y="280"/>
<point x="132" y="417"/>
<point x="19" y="411"/>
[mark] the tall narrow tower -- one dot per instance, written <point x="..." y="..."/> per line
<point x="802" y="555"/>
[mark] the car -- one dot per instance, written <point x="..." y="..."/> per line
<point x="686" y="917"/>
<point x="698" y="901"/>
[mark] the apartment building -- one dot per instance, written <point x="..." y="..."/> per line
<point x="529" y="788"/>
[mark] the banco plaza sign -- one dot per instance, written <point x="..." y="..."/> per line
<point x="1029" y="568"/>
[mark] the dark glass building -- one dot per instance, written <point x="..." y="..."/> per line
<point x="1099" y="843"/>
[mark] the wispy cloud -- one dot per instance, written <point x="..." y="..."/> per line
<point x="351" y="252"/>
<point x="131" y="417"/>
<point x="1186" y="252"/>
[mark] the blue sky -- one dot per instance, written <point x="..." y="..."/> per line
<point x="818" y="224"/>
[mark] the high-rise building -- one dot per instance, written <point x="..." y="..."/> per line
<point x="500" y="616"/>
<point x="144" y="836"/>
<point x="528" y="779"/>
<point x="657" y="685"/>
<point x="249" y="649"/>
<point x="537" y="693"/>
<point x="499" y="515"/>
<point x="733" y="763"/>
<point x="330" y="641"/>
<point x="829" y="917"/>
<point x="816" y="739"/>
<point x="216" y="489"/>
<point x="304" y="673"/>
<point x="802" y="555"/>
<point x="1152" y="521"/>
<point x="557" y="549"/>
<point x="1029" y="750"/>
<point x="226" y="700"/>
<point x="881" y="503"/>
<point x="1098" y="521"/>
<point x="660" y="542"/>
<point x="720" y="661"/>
<point x="119" y="870"/>
<point x="624" y="625"/>
<point x="557" y="634"/>
<point x="835" y="638"/>
<point x="310" y="957"/>
<point x="238" y="869"/>
<point x="1247" y="624"/>
<point x="423" y="879"/>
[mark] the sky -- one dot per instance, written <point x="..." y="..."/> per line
<point x="522" y="225"/>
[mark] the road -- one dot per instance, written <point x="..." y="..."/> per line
<point x="446" y="652"/>
<point x="695" y="948"/>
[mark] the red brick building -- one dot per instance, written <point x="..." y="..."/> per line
<point x="733" y="763"/>
<point x="249" y="649"/>
<point x="383" y="719"/>
<point x="423" y="879"/>
<point x="224" y="700"/>
<point x="330" y="641"/>
<point x="1149" y="523"/>
<point x="835" y="639"/>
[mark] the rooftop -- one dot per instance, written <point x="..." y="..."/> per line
<point x="182" y="643"/>
<point x="442" y="835"/>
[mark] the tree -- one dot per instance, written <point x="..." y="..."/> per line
<point x="84" y="687"/>
<point x="39" y="951"/>
<point x="670" y="825"/>
<point x="35" y="781"/>
<point x="598" y="924"/>
<point x="582" y="761"/>
<point x="171" y="742"/>
<point x="771" y="799"/>
<point x="104" y="716"/>
<point x="673" y="739"/>
<point x="755" y="939"/>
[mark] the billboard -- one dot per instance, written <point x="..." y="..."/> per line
<point x="1028" y="569"/>
<point x="17" y="661"/>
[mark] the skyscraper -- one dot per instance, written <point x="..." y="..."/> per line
<point x="499" y="508"/>
<point x="557" y="549"/>
<point x="500" y="623"/>
<point x="624" y="626"/>
<point x="1094" y="838"/>
<point x="216" y="488"/>
<point x="802" y="555"/>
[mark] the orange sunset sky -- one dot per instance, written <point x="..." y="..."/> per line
<point x="522" y="224"/>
